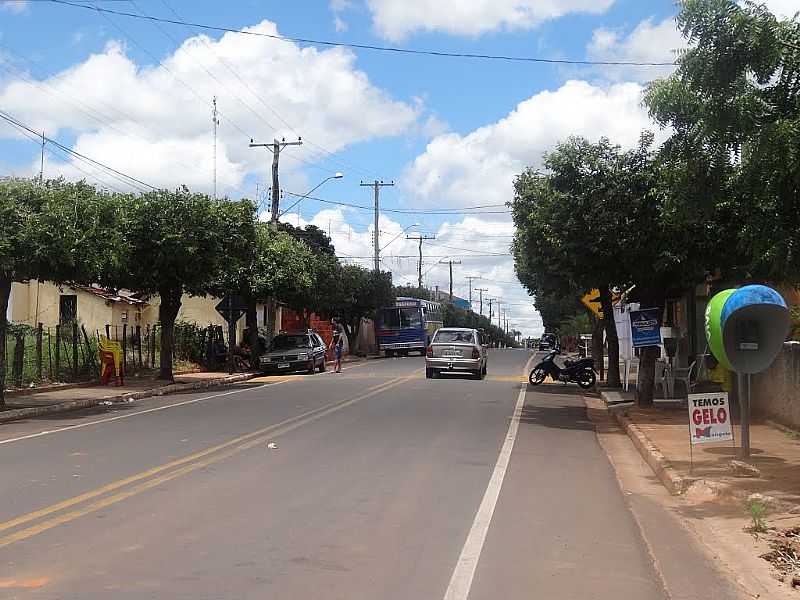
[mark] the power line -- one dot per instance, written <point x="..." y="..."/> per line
<point x="126" y="178"/>
<point x="463" y="211"/>
<point x="391" y="49"/>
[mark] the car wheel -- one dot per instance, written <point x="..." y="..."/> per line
<point x="312" y="369"/>
<point x="390" y="354"/>
<point x="322" y="365"/>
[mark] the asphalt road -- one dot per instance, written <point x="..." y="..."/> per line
<point x="375" y="483"/>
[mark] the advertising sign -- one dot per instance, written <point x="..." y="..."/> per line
<point x="645" y="327"/>
<point x="709" y="418"/>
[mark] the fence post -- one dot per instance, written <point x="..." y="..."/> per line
<point x="153" y="334"/>
<point x="19" y="358"/>
<point x="50" y="353"/>
<point x="139" y="344"/>
<point x="91" y="357"/>
<point x="75" y="351"/>
<point x="108" y="331"/>
<point x="58" y="354"/>
<point x="125" y="348"/>
<point x="39" y="328"/>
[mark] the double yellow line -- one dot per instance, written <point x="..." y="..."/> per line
<point x="103" y="497"/>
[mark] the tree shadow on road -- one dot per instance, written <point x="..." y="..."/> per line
<point x="557" y="416"/>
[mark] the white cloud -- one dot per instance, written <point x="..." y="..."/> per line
<point x="478" y="168"/>
<point x="649" y="42"/>
<point x="339" y="24"/>
<point x="144" y="121"/>
<point x="14" y="6"/>
<point x="785" y="9"/>
<point x="340" y="5"/>
<point x="395" y="19"/>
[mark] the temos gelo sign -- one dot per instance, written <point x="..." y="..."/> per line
<point x="709" y="418"/>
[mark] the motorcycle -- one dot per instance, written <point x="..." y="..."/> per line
<point x="579" y="371"/>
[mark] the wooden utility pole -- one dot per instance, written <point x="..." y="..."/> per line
<point x="377" y="185"/>
<point x="481" y="290"/>
<point x="470" y="278"/>
<point x="451" y="263"/>
<point x="420" y="237"/>
<point x="276" y="147"/>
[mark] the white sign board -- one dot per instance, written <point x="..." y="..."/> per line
<point x="709" y="418"/>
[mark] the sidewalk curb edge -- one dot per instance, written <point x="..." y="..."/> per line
<point x="70" y="405"/>
<point x="674" y="483"/>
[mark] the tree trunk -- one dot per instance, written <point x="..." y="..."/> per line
<point x="5" y="293"/>
<point x="647" y="376"/>
<point x="251" y="320"/>
<point x="611" y="336"/>
<point x="645" y="390"/>
<point x="597" y="346"/>
<point x="167" y="313"/>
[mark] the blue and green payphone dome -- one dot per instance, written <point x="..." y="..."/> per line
<point x="746" y="327"/>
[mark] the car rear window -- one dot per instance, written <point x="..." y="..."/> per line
<point x="290" y="342"/>
<point x="454" y="337"/>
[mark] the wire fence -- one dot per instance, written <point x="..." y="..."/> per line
<point x="69" y="352"/>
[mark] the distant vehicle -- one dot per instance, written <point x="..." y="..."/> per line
<point x="457" y="349"/>
<point x="548" y="341"/>
<point x="407" y="326"/>
<point x="295" y="351"/>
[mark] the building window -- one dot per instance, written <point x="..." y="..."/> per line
<point x="67" y="308"/>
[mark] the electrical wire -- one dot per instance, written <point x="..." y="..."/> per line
<point x="391" y="49"/>
<point x="464" y="211"/>
<point x="124" y="177"/>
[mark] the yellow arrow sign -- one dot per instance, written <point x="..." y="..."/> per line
<point x="592" y="302"/>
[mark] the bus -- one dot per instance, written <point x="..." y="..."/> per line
<point x="407" y="326"/>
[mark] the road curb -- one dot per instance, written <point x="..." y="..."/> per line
<point x="670" y="479"/>
<point x="70" y="405"/>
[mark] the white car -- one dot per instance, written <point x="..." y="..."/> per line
<point x="456" y="349"/>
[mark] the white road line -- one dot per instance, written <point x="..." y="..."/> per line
<point x="142" y="412"/>
<point x="464" y="572"/>
<point x="134" y="414"/>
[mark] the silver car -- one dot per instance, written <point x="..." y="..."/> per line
<point x="456" y="349"/>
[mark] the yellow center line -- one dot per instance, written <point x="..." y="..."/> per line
<point x="191" y="461"/>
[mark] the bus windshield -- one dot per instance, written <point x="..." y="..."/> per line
<point x="400" y="318"/>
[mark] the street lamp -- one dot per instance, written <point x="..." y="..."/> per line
<point x="399" y="234"/>
<point x="308" y="193"/>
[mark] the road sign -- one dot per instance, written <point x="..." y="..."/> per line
<point x="592" y="302"/>
<point x="232" y="307"/>
<point x="645" y="327"/>
<point x="709" y="418"/>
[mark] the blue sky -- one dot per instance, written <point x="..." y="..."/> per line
<point x="452" y="132"/>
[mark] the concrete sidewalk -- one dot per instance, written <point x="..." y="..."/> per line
<point x="56" y="399"/>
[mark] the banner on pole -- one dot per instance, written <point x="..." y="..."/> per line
<point x="645" y="327"/>
<point x="709" y="418"/>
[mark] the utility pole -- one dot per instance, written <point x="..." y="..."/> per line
<point x="276" y="147"/>
<point x="470" y="279"/>
<point x="499" y="324"/>
<point x="451" y="263"/>
<point x="420" y="237"/>
<point x="215" y="123"/>
<point x="491" y="313"/>
<point x="377" y="185"/>
<point x="481" y="290"/>
<point x="41" y="164"/>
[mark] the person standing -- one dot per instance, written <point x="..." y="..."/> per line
<point x="337" y="353"/>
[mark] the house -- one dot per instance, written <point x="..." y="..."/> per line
<point x="94" y="307"/>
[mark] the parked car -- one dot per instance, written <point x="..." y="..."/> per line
<point x="295" y="351"/>
<point x="456" y="349"/>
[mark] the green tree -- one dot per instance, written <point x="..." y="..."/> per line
<point x="411" y="291"/>
<point x="176" y="243"/>
<point x="360" y="292"/>
<point x="734" y="102"/>
<point x="56" y="231"/>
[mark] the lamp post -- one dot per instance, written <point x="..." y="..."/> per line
<point x="308" y="193"/>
